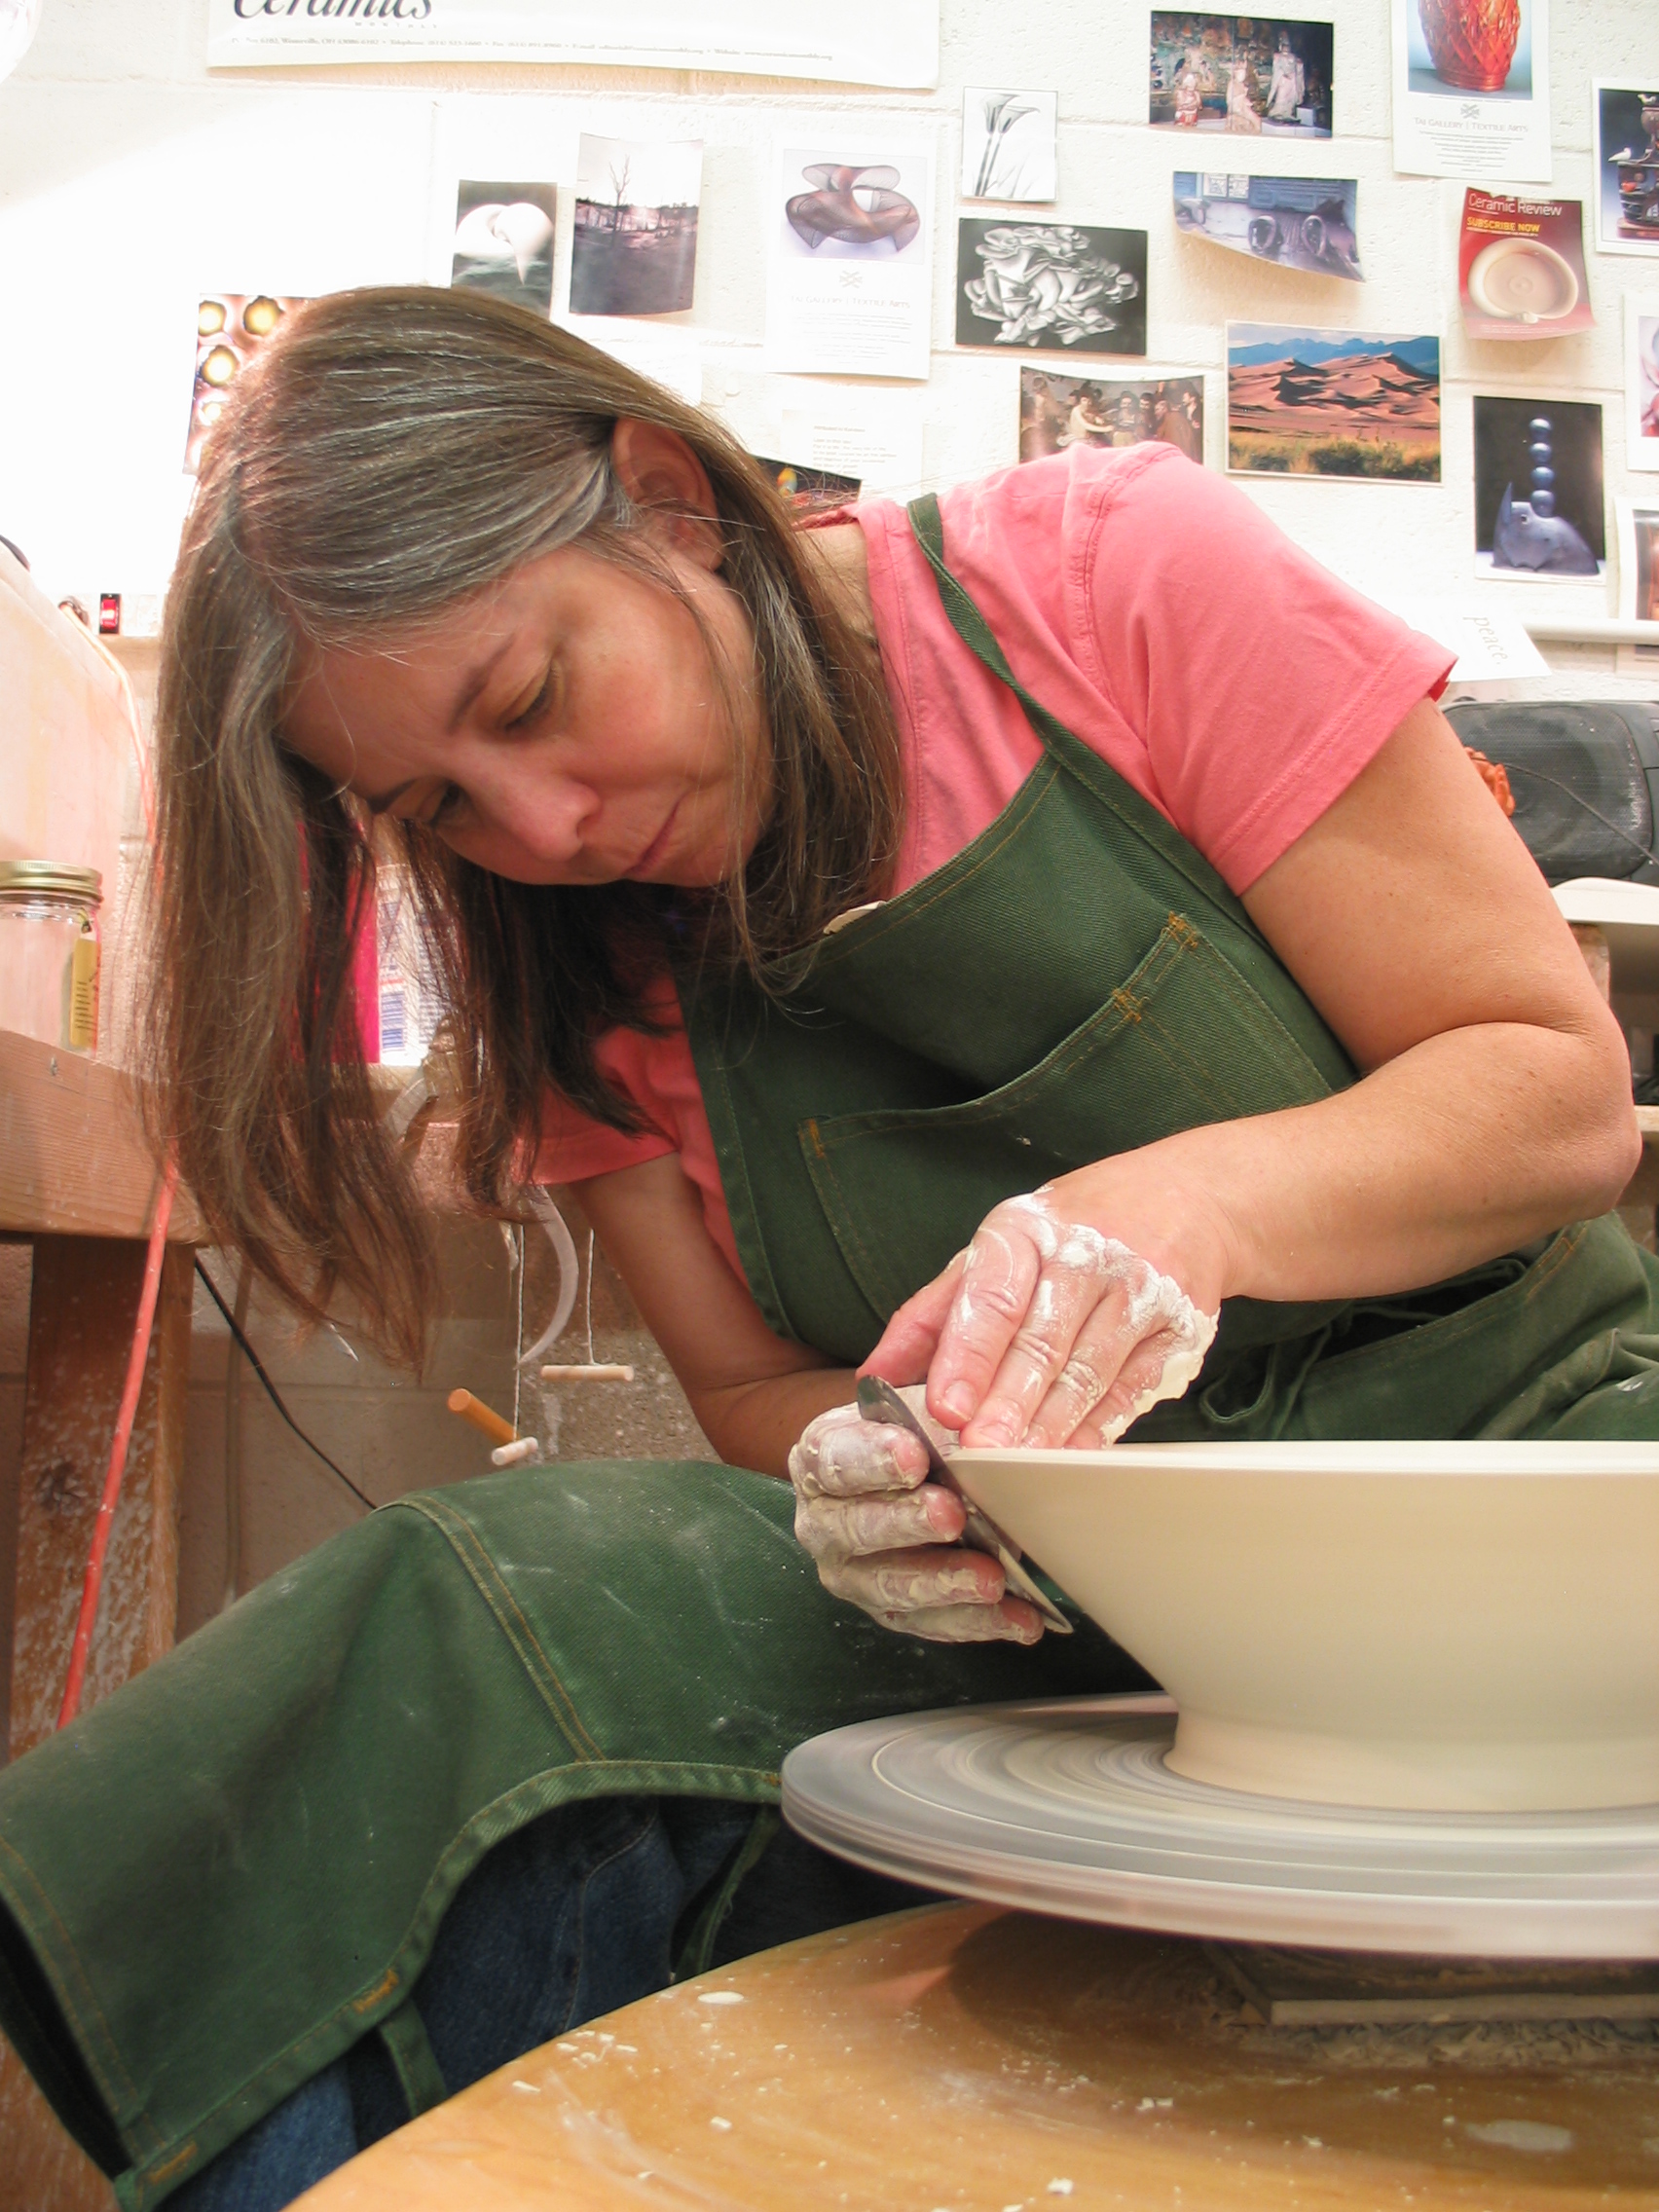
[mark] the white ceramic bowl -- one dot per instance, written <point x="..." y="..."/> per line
<point x="1470" y="1627"/>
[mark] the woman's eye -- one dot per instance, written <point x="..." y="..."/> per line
<point x="449" y="803"/>
<point x="538" y="706"/>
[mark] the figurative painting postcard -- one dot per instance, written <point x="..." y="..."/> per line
<point x="809" y="491"/>
<point x="1332" y="403"/>
<point x="1638" y="561"/>
<point x="229" y="330"/>
<point x="634" y="246"/>
<point x="1521" y="266"/>
<point x="1008" y="144"/>
<point x="1309" y="223"/>
<point x="1254" y="76"/>
<point x="1642" y="381"/>
<point x="1471" y="89"/>
<point x="849" y="234"/>
<point x="504" y="242"/>
<point x="1627" y="167"/>
<point x="1539" y="504"/>
<point x="1050" y="288"/>
<point x="1056" y="412"/>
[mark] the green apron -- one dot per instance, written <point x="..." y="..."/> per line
<point x="224" y="1875"/>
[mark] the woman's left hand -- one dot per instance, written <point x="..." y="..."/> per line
<point x="1052" y="1328"/>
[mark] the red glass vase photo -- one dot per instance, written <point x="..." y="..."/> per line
<point x="1471" y="41"/>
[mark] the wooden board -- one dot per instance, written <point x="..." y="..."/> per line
<point x="72" y="1160"/>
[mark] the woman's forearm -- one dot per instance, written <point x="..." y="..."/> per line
<point x="753" y="1424"/>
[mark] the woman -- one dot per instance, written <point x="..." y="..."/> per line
<point x="1046" y="947"/>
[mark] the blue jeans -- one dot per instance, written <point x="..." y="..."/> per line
<point x="580" y="1912"/>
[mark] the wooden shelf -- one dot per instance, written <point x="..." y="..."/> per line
<point x="73" y="1162"/>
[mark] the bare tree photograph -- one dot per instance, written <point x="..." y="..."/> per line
<point x="634" y="251"/>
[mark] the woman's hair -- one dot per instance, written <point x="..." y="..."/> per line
<point x="390" y="453"/>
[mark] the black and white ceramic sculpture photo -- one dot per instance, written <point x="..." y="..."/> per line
<point x="1539" y="502"/>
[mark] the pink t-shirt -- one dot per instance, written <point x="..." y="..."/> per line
<point x="1155" y="611"/>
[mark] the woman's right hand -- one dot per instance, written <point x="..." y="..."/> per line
<point x="885" y="1539"/>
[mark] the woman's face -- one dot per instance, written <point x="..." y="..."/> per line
<point x="565" y="725"/>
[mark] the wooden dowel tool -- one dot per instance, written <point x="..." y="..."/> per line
<point x="474" y="1410"/>
<point x="599" y="1371"/>
<point x="514" y="1454"/>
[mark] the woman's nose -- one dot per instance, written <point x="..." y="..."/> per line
<point x="545" y="817"/>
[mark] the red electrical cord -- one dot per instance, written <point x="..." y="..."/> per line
<point x="93" y="1582"/>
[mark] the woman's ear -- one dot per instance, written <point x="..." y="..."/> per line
<point x="660" y="473"/>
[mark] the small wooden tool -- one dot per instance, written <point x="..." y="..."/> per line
<point x="474" y="1410"/>
<point x="591" y="1371"/>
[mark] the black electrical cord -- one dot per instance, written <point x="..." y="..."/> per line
<point x="1518" y="768"/>
<point x="271" y="1391"/>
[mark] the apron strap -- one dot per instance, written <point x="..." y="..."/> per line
<point x="410" y="2048"/>
<point x="699" y="1946"/>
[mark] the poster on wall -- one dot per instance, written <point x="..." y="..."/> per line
<point x="858" y="41"/>
<point x="1254" y="76"/>
<point x="1008" y="144"/>
<point x="1639" y="560"/>
<point x="634" y="244"/>
<point x="1056" y="412"/>
<point x="1642" y="381"/>
<point x="1309" y="223"/>
<point x="504" y="242"/>
<point x="810" y="491"/>
<point x="1521" y="266"/>
<point x="849" y="285"/>
<point x="1050" y="288"/>
<point x="229" y="330"/>
<point x="1335" y="403"/>
<point x="1538" y="510"/>
<point x="1627" y="168"/>
<point x="1471" y="89"/>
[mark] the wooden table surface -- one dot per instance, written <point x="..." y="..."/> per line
<point x="966" y="2060"/>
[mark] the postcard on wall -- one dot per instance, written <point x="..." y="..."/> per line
<point x="858" y="42"/>
<point x="1332" y="403"/>
<point x="1056" y="412"/>
<point x="849" y="285"/>
<point x="1050" y="288"/>
<point x="1309" y="223"/>
<point x="634" y="244"/>
<point x="1538" y="510"/>
<point x="875" y="436"/>
<point x="1642" y="381"/>
<point x="810" y="491"/>
<point x="1639" y="560"/>
<point x="1521" y="266"/>
<point x="1008" y="144"/>
<point x="1471" y="89"/>
<point x="229" y="330"/>
<point x="1627" y="167"/>
<point x="504" y="242"/>
<point x="1254" y="76"/>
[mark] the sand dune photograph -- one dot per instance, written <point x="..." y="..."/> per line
<point x="1340" y="403"/>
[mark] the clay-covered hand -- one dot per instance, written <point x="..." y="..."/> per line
<point x="1046" y="1331"/>
<point x="884" y="1537"/>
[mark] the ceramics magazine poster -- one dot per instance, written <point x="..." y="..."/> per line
<point x="1309" y="223"/>
<point x="1333" y="403"/>
<point x="1254" y="76"/>
<point x="504" y="242"/>
<point x="1642" y="380"/>
<point x="229" y="330"/>
<point x="1626" y="118"/>
<point x="859" y="42"/>
<point x="634" y="244"/>
<point x="1521" y="266"/>
<point x="1008" y="144"/>
<point x="1538" y="505"/>
<point x="849" y="235"/>
<point x="1471" y="89"/>
<point x="1050" y="288"/>
<point x="1056" y="412"/>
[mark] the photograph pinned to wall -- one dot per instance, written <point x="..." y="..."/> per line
<point x="504" y="242"/>
<point x="1538" y="507"/>
<point x="1339" y="403"/>
<point x="1642" y="381"/>
<point x="1639" y="562"/>
<point x="1627" y="167"/>
<point x="1050" y="288"/>
<point x="1309" y="223"/>
<point x="1471" y="89"/>
<point x="1254" y="76"/>
<point x="229" y="330"/>
<point x="1008" y="144"/>
<point x="1056" y="412"/>
<point x="1521" y="266"/>
<point x="634" y="246"/>
<point x="809" y="491"/>
<point x="849" y="250"/>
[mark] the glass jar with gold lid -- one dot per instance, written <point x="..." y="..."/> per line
<point x="49" y="952"/>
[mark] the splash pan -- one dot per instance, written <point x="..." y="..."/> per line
<point x="1451" y="1627"/>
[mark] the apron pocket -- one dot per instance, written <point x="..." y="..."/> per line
<point x="1183" y="1042"/>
